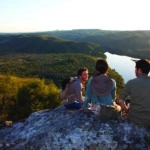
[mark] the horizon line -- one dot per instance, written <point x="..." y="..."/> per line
<point x="19" y="32"/>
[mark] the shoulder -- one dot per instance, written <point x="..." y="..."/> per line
<point x="133" y="80"/>
<point x="91" y="78"/>
<point x="113" y="82"/>
<point x="77" y="81"/>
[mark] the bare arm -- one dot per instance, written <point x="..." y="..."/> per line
<point x="123" y="105"/>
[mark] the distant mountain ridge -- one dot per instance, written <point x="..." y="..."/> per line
<point x="89" y="41"/>
<point x="131" y="43"/>
<point x="31" y="43"/>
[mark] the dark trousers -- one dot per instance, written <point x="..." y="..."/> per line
<point x="74" y="105"/>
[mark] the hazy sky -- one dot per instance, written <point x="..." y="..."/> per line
<point x="47" y="15"/>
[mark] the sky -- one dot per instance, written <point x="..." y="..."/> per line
<point x="49" y="15"/>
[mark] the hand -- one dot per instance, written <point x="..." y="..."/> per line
<point x="85" y="109"/>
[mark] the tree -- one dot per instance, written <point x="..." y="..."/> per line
<point x="35" y="96"/>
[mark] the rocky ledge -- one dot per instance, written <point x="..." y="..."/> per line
<point x="62" y="129"/>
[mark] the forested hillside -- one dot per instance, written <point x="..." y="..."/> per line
<point x="130" y="43"/>
<point x="42" y="44"/>
<point x="31" y="82"/>
<point x="51" y="66"/>
<point x="93" y="42"/>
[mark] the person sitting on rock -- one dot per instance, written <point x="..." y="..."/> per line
<point x="138" y="90"/>
<point x="101" y="89"/>
<point x="75" y="96"/>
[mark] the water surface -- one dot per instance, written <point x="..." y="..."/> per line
<point x="124" y="65"/>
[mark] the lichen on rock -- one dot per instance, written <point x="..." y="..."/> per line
<point x="62" y="129"/>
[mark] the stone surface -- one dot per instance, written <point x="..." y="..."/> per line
<point x="62" y="129"/>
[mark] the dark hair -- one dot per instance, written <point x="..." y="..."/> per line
<point x="64" y="83"/>
<point x="79" y="72"/>
<point x="101" y="66"/>
<point x="144" y="65"/>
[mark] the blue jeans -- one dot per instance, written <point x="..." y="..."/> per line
<point x="74" y="105"/>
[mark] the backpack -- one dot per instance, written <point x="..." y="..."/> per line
<point x="65" y="87"/>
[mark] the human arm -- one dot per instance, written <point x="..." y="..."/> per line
<point x="113" y="92"/>
<point x="123" y="105"/>
<point x="78" y="91"/>
<point x="124" y="94"/>
<point x="87" y="94"/>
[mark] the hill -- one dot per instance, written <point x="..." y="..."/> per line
<point x="87" y="41"/>
<point x="130" y="43"/>
<point x="42" y="44"/>
<point x="55" y="67"/>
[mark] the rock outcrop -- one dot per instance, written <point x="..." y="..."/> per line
<point x="62" y="129"/>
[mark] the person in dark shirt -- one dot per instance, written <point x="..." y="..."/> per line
<point x="138" y="90"/>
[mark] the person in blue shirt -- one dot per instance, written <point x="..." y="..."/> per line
<point x="101" y="89"/>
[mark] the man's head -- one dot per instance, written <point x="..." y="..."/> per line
<point x="101" y="66"/>
<point x="142" y="66"/>
<point x="82" y="73"/>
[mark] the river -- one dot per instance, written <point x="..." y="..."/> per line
<point x="124" y="65"/>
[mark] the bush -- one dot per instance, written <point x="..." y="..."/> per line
<point x="19" y="97"/>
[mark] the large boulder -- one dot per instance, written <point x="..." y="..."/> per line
<point x="62" y="129"/>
